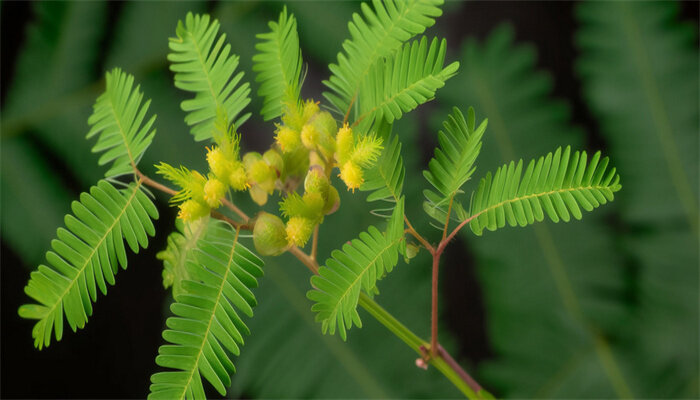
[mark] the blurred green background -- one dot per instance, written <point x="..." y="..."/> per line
<point x="605" y="307"/>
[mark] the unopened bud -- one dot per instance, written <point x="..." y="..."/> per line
<point x="269" y="235"/>
<point x="299" y="230"/>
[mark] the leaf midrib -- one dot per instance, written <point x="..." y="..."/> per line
<point x="211" y="318"/>
<point x="94" y="249"/>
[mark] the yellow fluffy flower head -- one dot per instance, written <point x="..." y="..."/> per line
<point x="192" y="210"/>
<point x="299" y="230"/>
<point x="238" y="179"/>
<point x="288" y="139"/>
<point x="344" y="142"/>
<point x="214" y="191"/>
<point x="218" y="164"/>
<point x="351" y="174"/>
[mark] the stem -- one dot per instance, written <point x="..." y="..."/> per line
<point x="235" y="209"/>
<point x="434" y="308"/>
<point x="150" y="182"/>
<point x="314" y="243"/>
<point x="416" y="235"/>
<point x="443" y="362"/>
<point x="441" y="359"/>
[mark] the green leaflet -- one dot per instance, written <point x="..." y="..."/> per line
<point x="278" y="66"/>
<point x="180" y="248"/>
<point x="357" y="267"/>
<point x="206" y="322"/>
<point x="559" y="286"/>
<point x="558" y="185"/>
<point x="385" y="179"/>
<point x="205" y="66"/>
<point x="86" y="256"/>
<point x="382" y="31"/>
<point x="453" y="163"/>
<point x="401" y="81"/>
<point x="117" y="120"/>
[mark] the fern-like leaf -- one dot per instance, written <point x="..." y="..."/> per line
<point x="377" y="35"/>
<point x="453" y="163"/>
<point x="400" y="82"/>
<point x="181" y="245"/>
<point x="278" y="66"/>
<point x="117" y="118"/>
<point x="207" y="323"/>
<point x="559" y="184"/>
<point x="385" y="179"/>
<point x="85" y="257"/>
<point x="203" y="64"/>
<point x="357" y="267"/>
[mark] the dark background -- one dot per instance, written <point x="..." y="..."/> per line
<point x="113" y="356"/>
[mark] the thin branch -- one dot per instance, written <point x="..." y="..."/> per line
<point x="347" y="114"/>
<point x="305" y="258"/>
<point x="447" y="219"/>
<point x="235" y="209"/>
<point x="457" y="368"/>
<point x="150" y="182"/>
<point x="416" y="235"/>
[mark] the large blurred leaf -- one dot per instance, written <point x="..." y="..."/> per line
<point x="32" y="200"/>
<point x="58" y="62"/>
<point x="555" y="294"/>
<point x="640" y="73"/>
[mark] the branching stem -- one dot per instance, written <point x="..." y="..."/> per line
<point x="439" y="357"/>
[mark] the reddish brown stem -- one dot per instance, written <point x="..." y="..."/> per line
<point x="473" y="384"/>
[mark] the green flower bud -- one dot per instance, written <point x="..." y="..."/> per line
<point x="251" y="158"/>
<point x="310" y="136"/>
<point x="316" y="181"/>
<point x="274" y="159"/>
<point x="258" y="195"/>
<point x="269" y="235"/>
<point x="333" y="201"/>
<point x="310" y="109"/>
<point x="314" y="203"/>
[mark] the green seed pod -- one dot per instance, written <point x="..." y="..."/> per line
<point x="314" y="203"/>
<point x="274" y="159"/>
<point x="251" y="158"/>
<point x="333" y="201"/>
<point x="269" y="235"/>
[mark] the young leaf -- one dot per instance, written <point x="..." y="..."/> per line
<point x="206" y="324"/>
<point x="401" y="81"/>
<point x="278" y="66"/>
<point x="382" y="31"/>
<point x="357" y="267"/>
<point x="385" y="179"/>
<point x="558" y="185"/>
<point x="85" y="256"/>
<point x="205" y="66"/>
<point x="453" y="163"/>
<point x="117" y="119"/>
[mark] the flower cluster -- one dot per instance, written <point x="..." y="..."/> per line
<point x="308" y="146"/>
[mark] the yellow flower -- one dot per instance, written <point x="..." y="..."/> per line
<point x="214" y="191"/>
<point x="344" y="144"/>
<point x="288" y="139"/>
<point x="351" y="174"/>
<point x="238" y="179"/>
<point x="192" y="210"/>
<point x="218" y="164"/>
<point x="299" y="230"/>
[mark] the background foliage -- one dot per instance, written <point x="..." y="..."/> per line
<point x="605" y="307"/>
